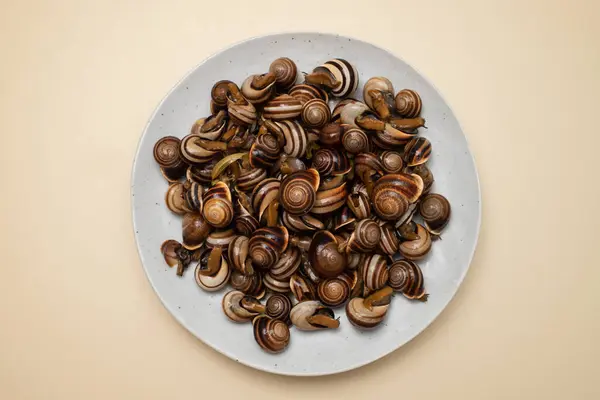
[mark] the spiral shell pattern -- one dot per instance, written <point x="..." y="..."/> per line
<point x="282" y="107"/>
<point x="233" y="309"/>
<point x="218" y="210"/>
<point x="276" y="285"/>
<point x="358" y="203"/>
<point x="288" y="264"/>
<point x="333" y="292"/>
<point x="304" y="92"/>
<point x="298" y="191"/>
<point x="391" y="161"/>
<point x="417" y="151"/>
<point x="355" y="140"/>
<point x="246" y="225"/>
<point x="389" y="241"/>
<point x="250" y="284"/>
<point x="315" y="113"/>
<point x="175" y="199"/>
<point x="375" y="272"/>
<point x="278" y="306"/>
<point x="410" y="185"/>
<point x="345" y="74"/>
<point x="257" y="95"/>
<point x="264" y="151"/>
<point x="406" y="277"/>
<point x="249" y="178"/>
<point x="408" y="103"/>
<point x="296" y="139"/>
<point x="266" y="245"/>
<point x="388" y="202"/>
<point x="166" y="152"/>
<point x="435" y="210"/>
<point x="301" y="223"/>
<point x="285" y="72"/>
<point x="241" y="113"/>
<point x="331" y="162"/>
<point x="272" y="335"/>
<point x="192" y="151"/>
<point x="378" y="83"/>
<point x="329" y="200"/>
<point x="219" y="92"/>
<point x="264" y="194"/>
<point x="426" y="175"/>
<point x="193" y="196"/>
<point x="365" y="237"/>
<point x="361" y="316"/>
<point x="220" y="238"/>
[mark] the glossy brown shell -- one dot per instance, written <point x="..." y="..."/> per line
<point x="417" y="151"/>
<point x="285" y="72"/>
<point x="298" y="191"/>
<point x="324" y="256"/>
<point x="333" y="292"/>
<point x="435" y="210"/>
<point x="408" y="103"/>
<point x="272" y="335"/>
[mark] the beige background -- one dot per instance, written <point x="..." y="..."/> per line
<point x="79" y="320"/>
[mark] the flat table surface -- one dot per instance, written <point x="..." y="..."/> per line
<point x="79" y="79"/>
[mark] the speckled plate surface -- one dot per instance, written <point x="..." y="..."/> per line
<point x="309" y="353"/>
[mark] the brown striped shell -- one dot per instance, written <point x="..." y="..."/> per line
<point x="389" y="240"/>
<point x="265" y="193"/>
<point x="272" y="335"/>
<point x="195" y="150"/>
<point x="266" y="246"/>
<point x="333" y="292"/>
<point x="304" y="93"/>
<point x="365" y="237"/>
<point x="276" y="285"/>
<point x="302" y="288"/>
<point x="435" y="210"/>
<point x="166" y="152"/>
<point x="331" y="134"/>
<point x="301" y="223"/>
<point x="365" y="317"/>
<point x="195" y="230"/>
<point x="330" y="199"/>
<point x="193" y="196"/>
<point x="355" y="140"/>
<point x="278" y="306"/>
<point x="170" y="251"/>
<point x="237" y="253"/>
<point x="375" y="272"/>
<point x="359" y="204"/>
<point x="249" y="178"/>
<point x="218" y="209"/>
<point x="201" y="173"/>
<point x="416" y="249"/>
<point x="295" y="137"/>
<point x="233" y="309"/>
<point x="219" y="92"/>
<point x="329" y="161"/>
<point x="338" y="75"/>
<point x="240" y="110"/>
<point x="406" y="277"/>
<point x="258" y="88"/>
<point x="417" y="151"/>
<point x="246" y="225"/>
<point x="408" y="103"/>
<point x="282" y="107"/>
<point x="298" y="191"/>
<point x="391" y="161"/>
<point x="315" y="113"/>
<point x="285" y="72"/>
<point x="220" y="238"/>
<point x="211" y="128"/>
<point x="425" y="173"/>
<point x="212" y="283"/>
<point x="311" y="315"/>
<point x="175" y="199"/>
<point x="250" y="284"/>
<point x="288" y="264"/>
<point x="264" y="151"/>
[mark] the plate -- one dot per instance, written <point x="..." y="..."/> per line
<point x="309" y="353"/>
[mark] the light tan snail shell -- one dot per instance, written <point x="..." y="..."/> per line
<point x="416" y="249"/>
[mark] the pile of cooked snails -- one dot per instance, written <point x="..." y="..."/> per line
<point x="302" y="207"/>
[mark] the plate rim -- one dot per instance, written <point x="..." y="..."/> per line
<point x="224" y="352"/>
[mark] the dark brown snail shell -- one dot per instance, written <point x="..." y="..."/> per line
<point x="331" y="134"/>
<point x="201" y="173"/>
<point x="266" y="245"/>
<point x="249" y="178"/>
<point x="410" y="185"/>
<point x="338" y="75"/>
<point x="303" y="289"/>
<point x="355" y="140"/>
<point x="258" y="88"/>
<point x="240" y="110"/>
<point x="193" y="196"/>
<point x="408" y="103"/>
<point x="272" y="335"/>
<point x="278" y="306"/>
<point x="301" y="223"/>
<point x="264" y="151"/>
<point x="435" y="210"/>
<point x="359" y="204"/>
<point x="365" y="237"/>
<point x="288" y="264"/>
<point x="375" y="272"/>
<point x="237" y="254"/>
<point x="166" y="154"/>
<point x="389" y="203"/>
<point x="220" y="238"/>
<point x="416" y="249"/>
<point x="315" y="113"/>
<point x="324" y="256"/>
<point x="344" y="219"/>
<point x="212" y="127"/>
<point x="285" y="72"/>
<point x="246" y="225"/>
<point x="276" y="285"/>
<point x="304" y="93"/>
<point x="195" y="230"/>
<point x="218" y="209"/>
<point x="425" y="173"/>
<point x="366" y="165"/>
<point x="282" y="107"/>
<point x="330" y="161"/>
<point x="406" y="277"/>
<point x="333" y="292"/>
<point x="196" y="151"/>
<point x="417" y="151"/>
<point x="219" y="92"/>
<point x="330" y="199"/>
<point x="391" y="161"/>
<point x="250" y="284"/>
<point x="170" y="251"/>
<point x="298" y="191"/>
<point x="389" y="241"/>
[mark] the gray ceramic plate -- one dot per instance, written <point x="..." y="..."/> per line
<point x="309" y="353"/>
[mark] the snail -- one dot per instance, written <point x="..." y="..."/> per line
<point x="336" y="114"/>
<point x="250" y="284"/>
<point x="170" y="251"/>
<point x="237" y="254"/>
<point x="389" y="202"/>
<point x="272" y="335"/>
<point x="416" y="249"/>
<point x="265" y="193"/>
<point x="407" y="278"/>
<point x="218" y="210"/>
<point x="215" y="282"/>
<point x="407" y="124"/>
<point x="338" y="75"/>
<point x="201" y="173"/>
<point x="195" y="150"/>
<point x="220" y="238"/>
<point x="315" y="113"/>
<point x="193" y="197"/>
<point x="240" y="110"/>
<point x="289" y="164"/>
<point x="324" y="256"/>
<point x="301" y="223"/>
<point x="252" y="304"/>
<point x="250" y="177"/>
<point x="333" y="292"/>
<point x="344" y="219"/>
<point x="246" y="225"/>
<point x="285" y="72"/>
<point x="435" y="210"/>
<point x="355" y="260"/>
<point x="389" y="241"/>
<point x="425" y="173"/>
<point x="304" y="93"/>
<point x="408" y="231"/>
<point x="301" y="242"/>
<point x="365" y="237"/>
<point x="302" y="288"/>
<point x="381" y="101"/>
<point x="391" y="138"/>
<point x="278" y="306"/>
<point x="391" y="161"/>
<point x="264" y="151"/>
<point x="175" y="199"/>
<point x="369" y="121"/>
<point x="258" y="88"/>
<point x="266" y="245"/>
<point x="408" y="103"/>
<point x="276" y="285"/>
<point x="295" y="138"/>
<point x="365" y="316"/>
<point x="328" y="198"/>
<point x="331" y="134"/>
<point x="219" y="92"/>
<point x="359" y="204"/>
<point x="353" y="111"/>
<point x="417" y="151"/>
<point x="330" y="161"/>
<point x="288" y="264"/>
<point x="310" y="315"/>
<point x="211" y="128"/>
<point x="355" y="140"/>
<point x="409" y="185"/>
<point x="282" y="107"/>
<point x="366" y="165"/>
<point x="195" y="230"/>
<point x="374" y="271"/>
<point x="166" y="154"/>
<point x="298" y="191"/>
<point x="233" y="309"/>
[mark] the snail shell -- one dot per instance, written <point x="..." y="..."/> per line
<point x="304" y="93"/>
<point x="301" y="223"/>
<point x="355" y="260"/>
<point x="406" y="277"/>
<point x="233" y="309"/>
<point x="193" y="150"/>
<point x="425" y="173"/>
<point x="276" y="285"/>
<point x="201" y="173"/>
<point x="365" y="237"/>
<point x="218" y="210"/>
<point x="288" y="264"/>
<point x="389" y="202"/>
<point x="240" y="110"/>
<point x="220" y="238"/>
<point x="250" y="284"/>
<point x="410" y="185"/>
<point x="416" y="249"/>
<point x="311" y="315"/>
<point x="389" y="241"/>
<point x="278" y="306"/>
<point x="361" y="316"/>
<point x="324" y="256"/>
<point x="331" y="162"/>
<point x="282" y="107"/>
<point x="358" y="203"/>
<point x="258" y="88"/>
<point x="285" y="72"/>
<point x="175" y="199"/>
<point x="298" y="191"/>
<point x="212" y="127"/>
<point x="408" y="231"/>
<point x="264" y="194"/>
<point x="246" y="225"/>
<point x="315" y="113"/>
<point x="249" y="178"/>
<point x="336" y="114"/>
<point x="408" y="103"/>
<point x="338" y="75"/>
<point x="301" y="288"/>
<point x="266" y="245"/>
<point x="355" y="140"/>
<point x="237" y="254"/>
<point x="331" y="134"/>
<point x="352" y="111"/>
<point x="193" y="197"/>
<point x="329" y="200"/>
<point x="417" y="151"/>
<point x="296" y="139"/>
<point x="333" y="292"/>
<point x="378" y="83"/>
<point x="264" y="151"/>
<point x="289" y="164"/>
<point x="166" y="154"/>
<point x="219" y="92"/>
<point x="366" y="165"/>
<point x="435" y="210"/>
<point x="272" y="335"/>
<point x="391" y="161"/>
<point x="195" y="230"/>
<point x="344" y="219"/>
<point x="374" y="271"/>
<point x="170" y="251"/>
<point x="212" y="283"/>
<point x="385" y="140"/>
